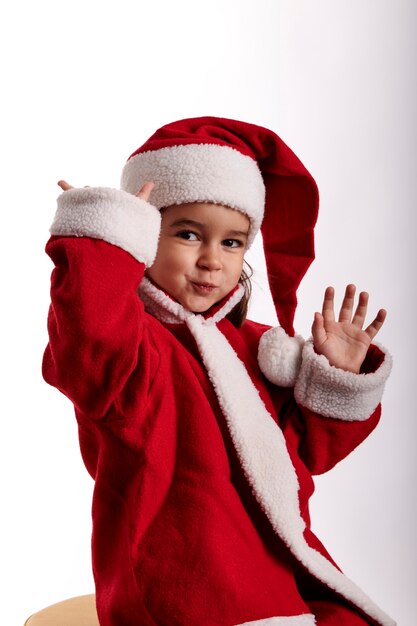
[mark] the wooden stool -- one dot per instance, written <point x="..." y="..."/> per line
<point x="79" y="611"/>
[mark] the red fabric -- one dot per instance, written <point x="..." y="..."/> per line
<point x="291" y="203"/>
<point x="178" y="538"/>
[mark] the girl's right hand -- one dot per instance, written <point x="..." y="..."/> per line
<point x="64" y="185"/>
<point x="145" y="191"/>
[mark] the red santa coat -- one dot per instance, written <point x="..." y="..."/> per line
<point x="202" y="465"/>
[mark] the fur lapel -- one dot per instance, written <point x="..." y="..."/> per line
<point x="263" y="454"/>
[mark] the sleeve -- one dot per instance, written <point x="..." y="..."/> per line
<point x="329" y="411"/>
<point x="102" y="240"/>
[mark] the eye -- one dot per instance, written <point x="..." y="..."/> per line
<point x="188" y="235"/>
<point x="232" y="243"/>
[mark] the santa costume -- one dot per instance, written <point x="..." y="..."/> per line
<point x="202" y="437"/>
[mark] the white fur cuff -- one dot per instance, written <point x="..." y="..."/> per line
<point x="333" y="392"/>
<point x="113" y="215"/>
<point x="279" y="356"/>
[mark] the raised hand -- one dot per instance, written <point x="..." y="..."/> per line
<point x="344" y="342"/>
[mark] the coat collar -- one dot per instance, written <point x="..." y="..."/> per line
<point x="159" y="304"/>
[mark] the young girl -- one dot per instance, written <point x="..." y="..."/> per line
<point x="202" y="429"/>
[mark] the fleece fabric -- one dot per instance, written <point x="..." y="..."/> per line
<point x="202" y="466"/>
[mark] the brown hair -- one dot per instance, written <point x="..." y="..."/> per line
<point x="238" y="314"/>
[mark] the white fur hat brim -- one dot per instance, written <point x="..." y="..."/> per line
<point x="200" y="173"/>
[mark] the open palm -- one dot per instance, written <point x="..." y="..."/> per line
<point x="344" y="342"/>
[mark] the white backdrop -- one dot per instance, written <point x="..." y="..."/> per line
<point x="83" y="84"/>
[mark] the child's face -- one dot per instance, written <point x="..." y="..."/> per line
<point x="200" y="253"/>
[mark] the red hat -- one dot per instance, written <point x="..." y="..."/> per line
<point x="245" y="167"/>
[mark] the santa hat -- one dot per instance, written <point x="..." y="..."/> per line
<point x="245" y="167"/>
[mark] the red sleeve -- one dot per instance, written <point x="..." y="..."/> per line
<point x="324" y="412"/>
<point x="95" y="322"/>
<point x="322" y="442"/>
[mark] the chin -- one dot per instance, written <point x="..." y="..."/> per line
<point x="202" y="308"/>
<point x="197" y="306"/>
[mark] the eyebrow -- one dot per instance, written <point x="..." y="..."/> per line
<point x="188" y="222"/>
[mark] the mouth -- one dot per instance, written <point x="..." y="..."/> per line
<point x="202" y="287"/>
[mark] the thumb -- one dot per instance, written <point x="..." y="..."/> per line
<point x="64" y="185"/>
<point x="145" y="191"/>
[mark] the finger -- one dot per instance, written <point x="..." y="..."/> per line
<point x="64" y="185"/>
<point x="328" y="305"/>
<point x="145" y="191"/>
<point x="347" y="304"/>
<point x="318" y="331"/>
<point x="375" y="326"/>
<point x="361" y="309"/>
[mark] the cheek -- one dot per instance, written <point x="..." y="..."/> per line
<point x="177" y="259"/>
<point x="171" y="259"/>
<point x="236" y="270"/>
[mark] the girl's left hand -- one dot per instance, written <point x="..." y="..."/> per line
<point x="344" y="343"/>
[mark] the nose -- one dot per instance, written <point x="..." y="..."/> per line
<point x="209" y="258"/>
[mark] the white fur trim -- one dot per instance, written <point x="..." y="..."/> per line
<point x="333" y="392"/>
<point x="264" y="457"/>
<point x="279" y="356"/>
<point x="164" y="308"/>
<point x="160" y="305"/>
<point x="228" y="306"/>
<point x="293" y="620"/>
<point x="112" y="215"/>
<point x="200" y="173"/>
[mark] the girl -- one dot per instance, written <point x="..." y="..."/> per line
<point x="202" y="429"/>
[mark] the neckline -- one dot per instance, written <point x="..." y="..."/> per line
<point x="160" y="304"/>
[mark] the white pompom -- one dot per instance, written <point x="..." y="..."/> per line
<point x="279" y="356"/>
